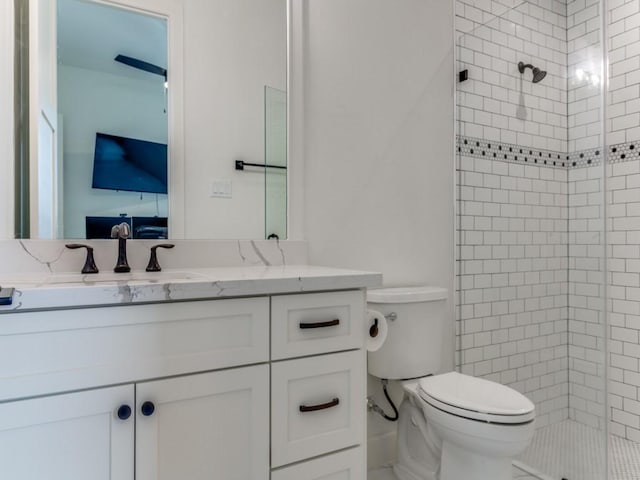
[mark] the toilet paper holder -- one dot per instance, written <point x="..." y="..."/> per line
<point x="374" y="330"/>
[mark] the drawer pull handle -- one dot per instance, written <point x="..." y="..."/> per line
<point x="330" y="323"/>
<point x="323" y="406"/>
<point x="147" y="409"/>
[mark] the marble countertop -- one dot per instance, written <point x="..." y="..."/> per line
<point x="68" y="290"/>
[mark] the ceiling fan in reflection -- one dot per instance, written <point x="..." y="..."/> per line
<point x="142" y="65"/>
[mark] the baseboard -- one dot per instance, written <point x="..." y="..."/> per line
<point x="381" y="450"/>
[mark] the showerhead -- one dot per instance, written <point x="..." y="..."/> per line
<point x="538" y="74"/>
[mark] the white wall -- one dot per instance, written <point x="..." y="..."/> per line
<point x="233" y="48"/>
<point x="91" y="102"/>
<point x="378" y="145"/>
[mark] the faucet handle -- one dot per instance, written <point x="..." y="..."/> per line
<point x="153" y="265"/>
<point x="89" y="263"/>
<point x="121" y="231"/>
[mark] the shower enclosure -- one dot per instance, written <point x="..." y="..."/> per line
<point x="534" y="216"/>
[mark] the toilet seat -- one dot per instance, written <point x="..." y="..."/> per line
<point x="476" y="399"/>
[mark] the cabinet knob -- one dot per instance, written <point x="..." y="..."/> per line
<point x="147" y="409"/>
<point x="124" y="412"/>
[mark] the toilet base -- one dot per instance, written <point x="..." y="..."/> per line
<point x="418" y="450"/>
<point x="458" y="463"/>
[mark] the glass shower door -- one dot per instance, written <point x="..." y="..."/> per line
<point x="275" y="178"/>
<point x="531" y="230"/>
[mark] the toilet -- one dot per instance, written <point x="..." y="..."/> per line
<point x="451" y="426"/>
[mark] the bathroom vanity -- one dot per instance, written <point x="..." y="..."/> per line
<point x="231" y="373"/>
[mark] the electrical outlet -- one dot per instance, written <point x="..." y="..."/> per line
<point x="221" y="188"/>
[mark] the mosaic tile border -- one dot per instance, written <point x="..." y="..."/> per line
<point x="508" y="152"/>
<point x="624" y="152"/>
<point x="585" y="158"/>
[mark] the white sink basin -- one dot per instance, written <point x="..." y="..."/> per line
<point x="111" y="277"/>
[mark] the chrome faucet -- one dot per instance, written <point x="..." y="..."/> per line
<point x="121" y="232"/>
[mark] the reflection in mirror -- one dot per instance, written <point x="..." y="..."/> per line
<point x="104" y="119"/>
<point x="113" y="115"/>
<point x="233" y="50"/>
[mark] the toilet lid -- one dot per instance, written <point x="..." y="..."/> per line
<point x="476" y="398"/>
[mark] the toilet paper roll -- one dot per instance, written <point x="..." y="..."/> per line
<point x="376" y="330"/>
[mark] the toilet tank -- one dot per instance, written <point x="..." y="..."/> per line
<point x="413" y="347"/>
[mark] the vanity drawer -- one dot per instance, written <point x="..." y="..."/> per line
<point x="346" y="465"/>
<point x="316" y="323"/>
<point x="85" y="348"/>
<point x="317" y="405"/>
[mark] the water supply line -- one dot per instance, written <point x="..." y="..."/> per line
<point x="373" y="406"/>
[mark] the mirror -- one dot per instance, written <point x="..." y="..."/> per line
<point x="170" y="115"/>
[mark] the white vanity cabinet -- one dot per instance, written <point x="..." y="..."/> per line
<point x="318" y="386"/>
<point x="236" y="389"/>
<point x="72" y="436"/>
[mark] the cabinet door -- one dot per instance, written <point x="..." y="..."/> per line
<point x="345" y="465"/>
<point x="206" y="426"/>
<point x="77" y="436"/>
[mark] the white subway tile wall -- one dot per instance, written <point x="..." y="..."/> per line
<point x="586" y="348"/>
<point x="530" y="277"/>
<point x="513" y="279"/>
<point x="498" y="103"/>
<point x="624" y="293"/>
<point x="584" y="74"/>
<point x="623" y="122"/>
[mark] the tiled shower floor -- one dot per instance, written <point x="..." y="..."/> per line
<point x="574" y="451"/>
<point x="568" y="450"/>
<point x="385" y="473"/>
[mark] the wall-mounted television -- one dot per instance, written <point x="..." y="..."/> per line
<point x="128" y="164"/>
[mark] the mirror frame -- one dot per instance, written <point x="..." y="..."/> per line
<point x="7" y="140"/>
<point x="296" y="49"/>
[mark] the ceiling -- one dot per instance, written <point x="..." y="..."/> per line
<point x="91" y="34"/>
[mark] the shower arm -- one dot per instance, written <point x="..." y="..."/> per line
<point x="522" y="67"/>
